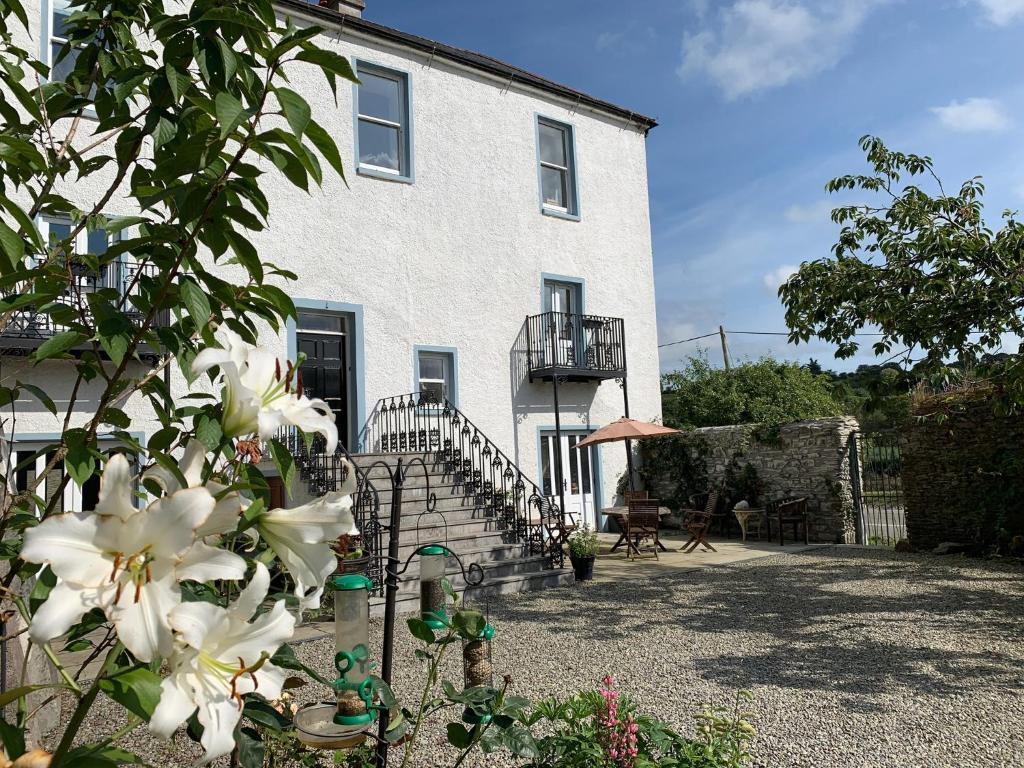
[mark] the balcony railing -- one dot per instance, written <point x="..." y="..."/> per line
<point x="574" y="347"/>
<point x="28" y="327"/>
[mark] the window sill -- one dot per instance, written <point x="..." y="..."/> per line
<point x="375" y="174"/>
<point x="555" y="213"/>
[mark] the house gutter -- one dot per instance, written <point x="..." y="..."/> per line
<point x="499" y="70"/>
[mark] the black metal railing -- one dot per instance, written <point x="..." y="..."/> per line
<point x="323" y="473"/>
<point x="574" y="345"/>
<point x="28" y="327"/>
<point x="416" y="423"/>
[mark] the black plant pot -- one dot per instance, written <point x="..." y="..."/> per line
<point x="583" y="567"/>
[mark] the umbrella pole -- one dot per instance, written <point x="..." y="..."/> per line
<point x="629" y="443"/>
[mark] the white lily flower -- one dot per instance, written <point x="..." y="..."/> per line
<point x="224" y="518"/>
<point x="220" y="657"/>
<point x="301" y="537"/>
<point x="125" y="561"/>
<point x="262" y="392"/>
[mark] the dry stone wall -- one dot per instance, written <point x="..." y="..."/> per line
<point x="963" y="474"/>
<point x="806" y="458"/>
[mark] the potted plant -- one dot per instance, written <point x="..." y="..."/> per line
<point x="583" y="546"/>
<point x="351" y="556"/>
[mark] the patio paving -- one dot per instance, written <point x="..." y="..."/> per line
<point x="855" y="656"/>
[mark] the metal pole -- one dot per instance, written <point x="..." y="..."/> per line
<point x="390" y="600"/>
<point x="725" y="348"/>
<point x="558" y="449"/>
<point x="629" y="443"/>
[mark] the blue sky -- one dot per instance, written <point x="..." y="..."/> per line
<point x="760" y="102"/>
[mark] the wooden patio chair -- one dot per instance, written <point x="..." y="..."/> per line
<point x="698" y="523"/>
<point x="634" y="496"/>
<point x="792" y="511"/>
<point x="559" y="528"/>
<point x="642" y="524"/>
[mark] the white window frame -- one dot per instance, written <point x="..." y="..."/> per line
<point x="572" y="208"/>
<point x="404" y="171"/>
<point x="446" y="371"/>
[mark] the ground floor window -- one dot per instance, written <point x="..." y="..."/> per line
<point x="435" y="376"/>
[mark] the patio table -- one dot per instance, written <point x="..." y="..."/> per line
<point x="619" y="514"/>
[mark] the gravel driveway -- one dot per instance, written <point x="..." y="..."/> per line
<point x="856" y="657"/>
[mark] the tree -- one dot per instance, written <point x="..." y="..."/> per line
<point x="763" y="392"/>
<point x="918" y="266"/>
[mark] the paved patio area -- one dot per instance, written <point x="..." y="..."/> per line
<point x="855" y="656"/>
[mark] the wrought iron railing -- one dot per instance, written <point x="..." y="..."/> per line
<point x="416" y="423"/>
<point x="560" y="342"/>
<point x="323" y="473"/>
<point x="29" y="327"/>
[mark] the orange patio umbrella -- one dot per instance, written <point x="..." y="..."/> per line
<point x="626" y="429"/>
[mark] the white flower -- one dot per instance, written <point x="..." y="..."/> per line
<point x="262" y="392"/>
<point x="220" y="657"/>
<point x="301" y="537"/>
<point x="125" y="561"/>
<point x="224" y="518"/>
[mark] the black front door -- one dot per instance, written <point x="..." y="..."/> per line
<point x="325" y="375"/>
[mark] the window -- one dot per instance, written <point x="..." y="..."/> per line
<point x="93" y="242"/>
<point x="556" y="156"/>
<point x="436" y="373"/>
<point x="383" y="135"/>
<point x="59" y="11"/>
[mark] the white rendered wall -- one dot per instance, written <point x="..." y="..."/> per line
<point x="455" y="258"/>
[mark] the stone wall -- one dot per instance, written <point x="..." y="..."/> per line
<point x="963" y="474"/>
<point x="807" y="458"/>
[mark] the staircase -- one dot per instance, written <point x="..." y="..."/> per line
<point x="461" y="520"/>
<point x="484" y="508"/>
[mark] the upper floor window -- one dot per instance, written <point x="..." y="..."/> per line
<point x="383" y="123"/>
<point x="58" y="12"/>
<point x="556" y="154"/>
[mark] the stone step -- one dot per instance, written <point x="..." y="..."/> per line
<point x="409" y="602"/>
<point x="493" y="572"/>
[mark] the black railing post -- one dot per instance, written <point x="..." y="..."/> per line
<point x="390" y="605"/>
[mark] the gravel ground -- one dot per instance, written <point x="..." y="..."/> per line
<point x="856" y="657"/>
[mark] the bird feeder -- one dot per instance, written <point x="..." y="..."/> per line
<point x="477" y="669"/>
<point x="433" y="610"/>
<point x="340" y="725"/>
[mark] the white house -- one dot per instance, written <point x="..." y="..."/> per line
<point x="492" y="248"/>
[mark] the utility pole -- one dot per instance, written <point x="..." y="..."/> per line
<point x="725" y="348"/>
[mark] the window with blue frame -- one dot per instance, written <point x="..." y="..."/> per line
<point x="435" y="376"/>
<point x="93" y="242"/>
<point x="383" y="120"/>
<point x="556" y="155"/>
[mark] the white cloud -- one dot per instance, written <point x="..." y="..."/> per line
<point x="607" y="40"/>
<point x="751" y="45"/>
<point x="809" y="212"/>
<point x="973" y="115"/>
<point x="1002" y="12"/>
<point x="772" y="280"/>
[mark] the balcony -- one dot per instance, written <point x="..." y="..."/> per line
<point x="572" y="347"/>
<point x="28" y="328"/>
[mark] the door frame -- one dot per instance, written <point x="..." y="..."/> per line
<point x="600" y="520"/>
<point x="356" y="355"/>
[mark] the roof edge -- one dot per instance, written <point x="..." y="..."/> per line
<point x="467" y="58"/>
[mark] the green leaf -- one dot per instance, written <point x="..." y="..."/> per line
<point x="230" y="113"/>
<point x="296" y="110"/>
<point x="458" y="736"/>
<point x="59" y="344"/>
<point x="520" y="742"/>
<point x="196" y="301"/>
<point x="265" y="715"/>
<point x="79" y="462"/>
<point x="12" y="244"/>
<point x="13" y="740"/>
<point x="41" y="396"/>
<point x="421" y="631"/>
<point x="285" y="657"/>
<point x="137" y="690"/>
<point x="284" y="462"/>
<point x="469" y="624"/>
<point x="326" y="145"/>
<point x="209" y="432"/>
<point x="250" y="748"/>
<point x="8" y="697"/>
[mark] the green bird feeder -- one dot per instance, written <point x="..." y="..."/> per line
<point x="433" y="609"/>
